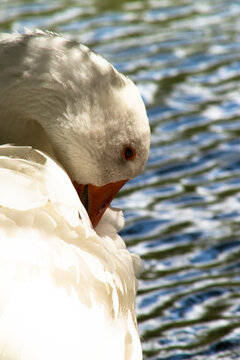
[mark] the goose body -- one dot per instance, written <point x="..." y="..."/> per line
<point x="67" y="290"/>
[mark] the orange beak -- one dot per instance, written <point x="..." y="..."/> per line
<point x="96" y="199"/>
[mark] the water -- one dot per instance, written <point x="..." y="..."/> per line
<point x="183" y="213"/>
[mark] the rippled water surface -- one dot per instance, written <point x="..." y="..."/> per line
<point x="183" y="213"/>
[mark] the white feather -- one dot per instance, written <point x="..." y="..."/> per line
<point x="66" y="292"/>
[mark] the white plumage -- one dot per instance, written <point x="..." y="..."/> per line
<point x="67" y="291"/>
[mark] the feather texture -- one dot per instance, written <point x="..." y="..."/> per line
<point x="67" y="292"/>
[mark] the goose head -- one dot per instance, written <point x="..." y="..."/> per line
<point x="54" y="91"/>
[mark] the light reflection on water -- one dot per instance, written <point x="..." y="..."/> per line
<point x="183" y="213"/>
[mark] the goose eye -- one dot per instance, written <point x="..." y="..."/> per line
<point x="128" y="153"/>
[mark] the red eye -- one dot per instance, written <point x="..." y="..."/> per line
<point x="128" y="153"/>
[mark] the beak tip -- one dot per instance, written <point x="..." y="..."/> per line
<point x="96" y="199"/>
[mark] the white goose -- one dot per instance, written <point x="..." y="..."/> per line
<point x="67" y="291"/>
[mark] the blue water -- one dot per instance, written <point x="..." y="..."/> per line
<point x="183" y="213"/>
